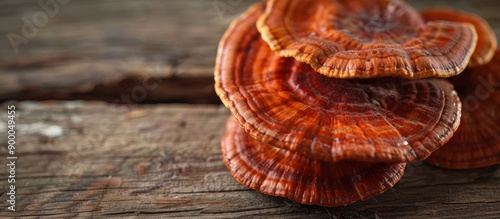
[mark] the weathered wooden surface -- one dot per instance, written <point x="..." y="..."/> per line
<point x="88" y="49"/>
<point x="164" y="161"/>
<point x="120" y="159"/>
<point x="93" y="50"/>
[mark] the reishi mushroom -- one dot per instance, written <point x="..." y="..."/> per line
<point x="476" y="143"/>
<point x="289" y="174"/>
<point x="285" y="103"/>
<point x="296" y="122"/>
<point x="486" y="41"/>
<point x="313" y="121"/>
<point x="366" y="38"/>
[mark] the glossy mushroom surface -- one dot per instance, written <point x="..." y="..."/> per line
<point x="285" y="103"/>
<point x="366" y="38"/>
<point x="487" y="40"/>
<point x="279" y="172"/>
<point x="476" y="143"/>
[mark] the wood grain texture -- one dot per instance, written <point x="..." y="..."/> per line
<point x="118" y="159"/>
<point x="89" y="48"/>
<point x="164" y="161"/>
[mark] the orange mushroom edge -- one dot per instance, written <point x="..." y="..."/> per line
<point x="285" y="103"/>
<point x="289" y="174"/>
<point x="476" y="143"/>
<point x="366" y="38"/>
<point x="487" y="40"/>
<point x="290" y="121"/>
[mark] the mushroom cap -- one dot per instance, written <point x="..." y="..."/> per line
<point x="284" y="103"/>
<point x="486" y="41"/>
<point x="476" y="143"/>
<point x="366" y="38"/>
<point x="279" y="172"/>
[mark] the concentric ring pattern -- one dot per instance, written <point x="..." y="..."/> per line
<point x="279" y="172"/>
<point x="366" y="38"/>
<point x="285" y="103"/>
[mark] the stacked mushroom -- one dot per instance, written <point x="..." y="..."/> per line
<point x="316" y="120"/>
<point x="476" y="143"/>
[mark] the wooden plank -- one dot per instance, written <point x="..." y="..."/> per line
<point x="93" y="159"/>
<point x="89" y="48"/>
<point x="92" y="49"/>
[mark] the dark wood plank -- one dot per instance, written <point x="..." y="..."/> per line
<point x="89" y="48"/>
<point x="94" y="159"/>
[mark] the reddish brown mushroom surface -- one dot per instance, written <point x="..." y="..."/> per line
<point x="487" y="41"/>
<point x="279" y="172"/>
<point x="476" y="143"/>
<point x="285" y="103"/>
<point x="366" y="38"/>
<point x="314" y="119"/>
